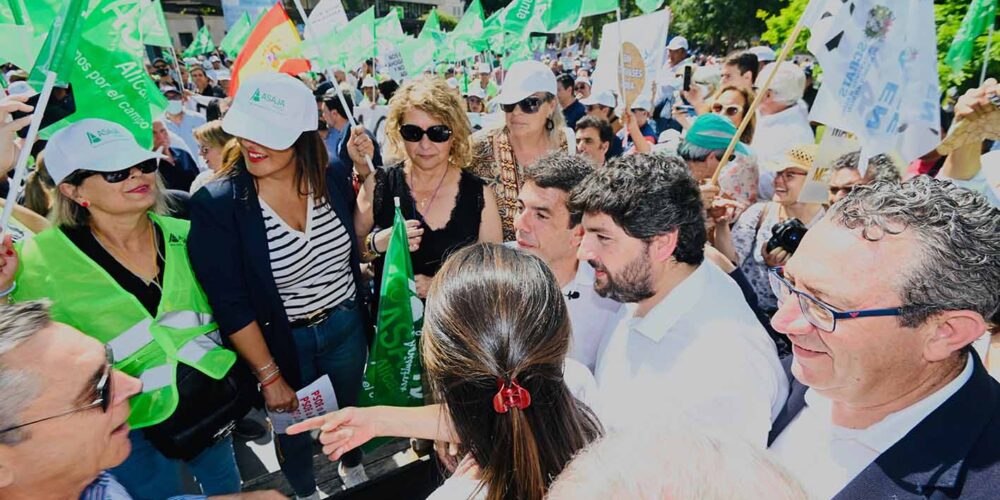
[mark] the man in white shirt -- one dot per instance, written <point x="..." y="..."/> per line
<point x="670" y="80"/>
<point x="546" y="228"/>
<point x="688" y="343"/>
<point x="781" y="119"/>
<point x="881" y="301"/>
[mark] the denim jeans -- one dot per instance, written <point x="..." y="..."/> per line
<point x="336" y="347"/>
<point x="148" y="475"/>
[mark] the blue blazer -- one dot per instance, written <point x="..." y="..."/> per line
<point x="228" y="249"/>
<point x="954" y="452"/>
<point x="340" y="162"/>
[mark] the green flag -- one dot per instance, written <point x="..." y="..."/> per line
<point x="980" y="15"/>
<point x="559" y="16"/>
<point x="471" y="24"/>
<point x="106" y="68"/>
<point x="516" y="16"/>
<point x="392" y="375"/>
<point x="389" y="28"/>
<point x="37" y="13"/>
<point x="57" y="54"/>
<point x="153" y="26"/>
<point x="19" y="44"/>
<point x="237" y="36"/>
<point x="202" y="44"/>
<point x="647" y="6"/>
<point x="431" y="25"/>
<point x="595" y="7"/>
<point x="418" y="55"/>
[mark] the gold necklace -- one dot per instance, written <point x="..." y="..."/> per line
<point x="126" y="262"/>
<point x="427" y="202"/>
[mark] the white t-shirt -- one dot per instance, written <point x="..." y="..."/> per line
<point x="775" y="134"/>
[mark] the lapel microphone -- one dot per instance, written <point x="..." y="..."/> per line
<point x="573" y="294"/>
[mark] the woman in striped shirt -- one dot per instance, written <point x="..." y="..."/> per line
<point x="272" y="242"/>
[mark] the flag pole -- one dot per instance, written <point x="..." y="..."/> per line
<point x="756" y="100"/>
<point x="333" y="80"/>
<point x="986" y="55"/>
<point x="177" y="66"/>
<point x="621" y="66"/>
<point x="21" y="168"/>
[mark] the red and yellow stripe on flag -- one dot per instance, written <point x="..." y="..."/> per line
<point x="273" y="37"/>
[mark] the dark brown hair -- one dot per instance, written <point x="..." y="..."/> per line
<point x="496" y="314"/>
<point x="311" y="161"/>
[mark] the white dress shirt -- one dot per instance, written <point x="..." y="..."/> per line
<point x="593" y="317"/>
<point x="775" y="134"/>
<point x="825" y="457"/>
<point x="700" y="352"/>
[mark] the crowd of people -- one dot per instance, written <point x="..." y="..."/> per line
<point x="608" y="314"/>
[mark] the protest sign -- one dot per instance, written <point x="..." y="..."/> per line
<point x="835" y="143"/>
<point x="633" y="73"/>
<point x="327" y="17"/>
<point x="646" y="32"/>
<point x="315" y="399"/>
<point x="391" y="61"/>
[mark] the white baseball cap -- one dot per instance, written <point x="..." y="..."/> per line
<point x="483" y="68"/>
<point x="21" y="88"/>
<point x="763" y="53"/>
<point x="452" y="82"/>
<point x="582" y="79"/>
<point x="525" y="78"/>
<point x="96" y="145"/>
<point x="476" y="91"/>
<point x="604" y="98"/>
<point x="273" y="110"/>
<point x="677" y="43"/>
<point x="214" y="59"/>
<point x="368" y="82"/>
<point x="223" y="74"/>
<point x="643" y="102"/>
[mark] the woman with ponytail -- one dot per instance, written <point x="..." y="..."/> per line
<point x="494" y="344"/>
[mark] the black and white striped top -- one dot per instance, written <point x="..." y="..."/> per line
<point x="312" y="269"/>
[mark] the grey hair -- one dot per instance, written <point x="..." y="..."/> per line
<point x="881" y="167"/>
<point x="958" y="233"/>
<point x="18" y="323"/>
<point x="691" y="152"/>
<point x="675" y="459"/>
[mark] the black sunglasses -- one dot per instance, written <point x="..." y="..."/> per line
<point x="146" y="167"/>
<point x="529" y="105"/>
<point x="103" y="390"/>
<point x="413" y="133"/>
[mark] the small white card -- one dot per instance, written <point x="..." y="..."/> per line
<point x="315" y="399"/>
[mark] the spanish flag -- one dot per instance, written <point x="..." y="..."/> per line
<point x="272" y="39"/>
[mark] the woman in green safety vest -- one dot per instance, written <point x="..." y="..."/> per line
<point x="117" y="270"/>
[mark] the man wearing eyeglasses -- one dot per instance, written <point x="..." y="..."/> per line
<point x="63" y="412"/>
<point x="881" y="303"/>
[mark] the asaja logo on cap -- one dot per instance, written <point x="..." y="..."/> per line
<point x="100" y="135"/>
<point x="260" y="97"/>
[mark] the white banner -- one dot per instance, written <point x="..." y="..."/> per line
<point x="328" y="16"/>
<point x="880" y="75"/>
<point x="648" y="33"/>
<point x="390" y="61"/>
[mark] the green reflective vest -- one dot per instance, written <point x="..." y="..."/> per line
<point x="87" y="298"/>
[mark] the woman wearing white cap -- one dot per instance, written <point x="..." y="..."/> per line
<point x="117" y="269"/>
<point x="533" y="127"/>
<point x="273" y="242"/>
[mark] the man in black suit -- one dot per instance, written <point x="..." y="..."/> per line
<point x="340" y="131"/>
<point x="881" y="302"/>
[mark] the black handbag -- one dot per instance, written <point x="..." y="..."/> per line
<point x="206" y="411"/>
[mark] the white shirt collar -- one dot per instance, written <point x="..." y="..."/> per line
<point x="887" y="432"/>
<point x="791" y="114"/>
<point x="662" y="317"/>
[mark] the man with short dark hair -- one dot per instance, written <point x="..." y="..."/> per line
<point x="739" y="70"/>
<point x="593" y="139"/>
<point x="881" y="302"/>
<point x="565" y="93"/>
<point x="688" y="342"/>
<point x="546" y="227"/>
<point x="337" y="120"/>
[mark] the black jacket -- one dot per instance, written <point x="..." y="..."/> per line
<point x="954" y="452"/>
<point x="228" y="249"/>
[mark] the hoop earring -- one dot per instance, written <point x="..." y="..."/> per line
<point x="549" y="124"/>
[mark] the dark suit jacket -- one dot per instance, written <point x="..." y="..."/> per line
<point x="341" y="164"/>
<point x="229" y="254"/>
<point x="954" y="452"/>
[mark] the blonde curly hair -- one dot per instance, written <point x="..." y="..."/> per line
<point x="431" y="95"/>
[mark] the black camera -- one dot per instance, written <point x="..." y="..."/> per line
<point x="787" y="234"/>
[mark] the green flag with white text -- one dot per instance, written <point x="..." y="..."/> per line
<point x="56" y="55"/>
<point x="431" y="25"/>
<point x="471" y="25"/>
<point x="516" y="16"/>
<point x="238" y="33"/>
<point x="202" y="44"/>
<point x="153" y="26"/>
<point x="392" y="375"/>
<point x="106" y="68"/>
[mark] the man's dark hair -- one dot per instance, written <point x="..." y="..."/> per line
<point x="602" y="126"/>
<point x="333" y="103"/>
<point x="648" y="195"/>
<point x="561" y="171"/>
<point x="745" y="61"/>
<point x="566" y="80"/>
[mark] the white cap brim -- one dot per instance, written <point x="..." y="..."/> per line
<point x="512" y="96"/>
<point x="124" y="157"/>
<point x="239" y="124"/>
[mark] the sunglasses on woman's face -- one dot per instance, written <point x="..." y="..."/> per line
<point x="413" y="133"/>
<point x="529" y="105"/>
<point x="146" y="167"/>
<point x="729" y="110"/>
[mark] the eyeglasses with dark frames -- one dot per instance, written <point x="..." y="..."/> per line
<point x="818" y="313"/>
<point x="103" y="392"/>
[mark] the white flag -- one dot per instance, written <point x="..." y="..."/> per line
<point x="880" y="75"/>
<point x="648" y="33"/>
<point x="326" y="17"/>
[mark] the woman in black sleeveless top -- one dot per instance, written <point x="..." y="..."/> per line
<point x="446" y="207"/>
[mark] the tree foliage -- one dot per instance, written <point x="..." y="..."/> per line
<point x="718" y="26"/>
